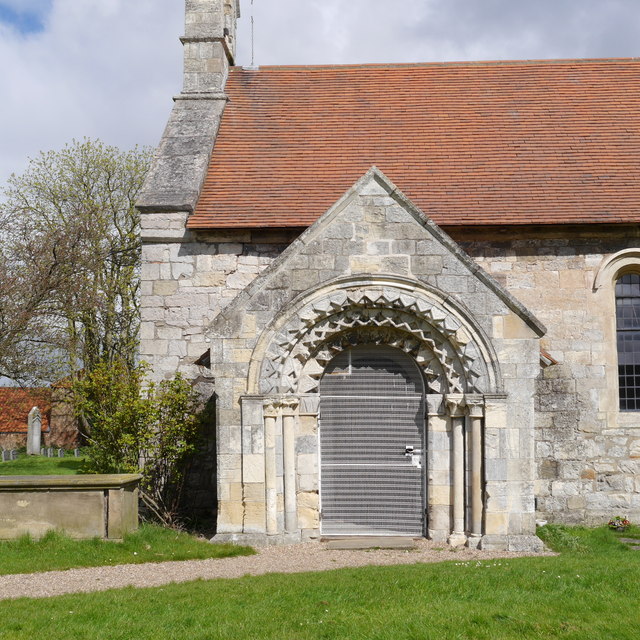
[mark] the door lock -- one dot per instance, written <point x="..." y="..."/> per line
<point x="414" y="454"/>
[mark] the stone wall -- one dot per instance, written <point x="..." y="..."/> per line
<point x="587" y="451"/>
<point x="187" y="279"/>
<point x="10" y="441"/>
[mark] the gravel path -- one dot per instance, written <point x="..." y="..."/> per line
<point x="312" y="556"/>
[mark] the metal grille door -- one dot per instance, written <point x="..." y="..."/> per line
<point x="371" y="442"/>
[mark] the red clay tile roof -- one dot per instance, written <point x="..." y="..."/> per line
<point x="15" y="404"/>
<point x="536" y="142"/>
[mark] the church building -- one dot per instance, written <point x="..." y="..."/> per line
<point x="412" y="290"/>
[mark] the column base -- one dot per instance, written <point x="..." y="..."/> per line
<point x="457" y="539"/>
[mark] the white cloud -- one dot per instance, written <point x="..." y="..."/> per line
<point x="335" y="31"/>
<point x="102" y="68"/>
<point x="108" y="68"/>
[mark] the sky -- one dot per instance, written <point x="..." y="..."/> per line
<point x="108" y="68"/>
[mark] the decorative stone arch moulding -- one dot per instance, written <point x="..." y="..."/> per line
<point x="455" y="356"/>
<point x="612" y="267"/>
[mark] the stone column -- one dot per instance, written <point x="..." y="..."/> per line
<point x="34" y="431"/>
<point x="270" y="413"/>
<point x="455" y="408"/>
<point x="289" y="407"/>
<point x="476" y="413"/>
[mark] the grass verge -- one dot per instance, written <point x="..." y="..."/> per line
<point x="40" y="466"/>
<point x="565" y="539"/>
<point x="572" y="597"/>
<point x="591" y="593"/>
<point x="150" y="543"/>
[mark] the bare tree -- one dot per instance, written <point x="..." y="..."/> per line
<point x="69" y="262"/>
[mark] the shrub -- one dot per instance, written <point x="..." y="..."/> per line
<point x="134" y="426"/>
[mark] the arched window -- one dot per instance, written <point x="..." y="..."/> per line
<point x="628" y="337"/>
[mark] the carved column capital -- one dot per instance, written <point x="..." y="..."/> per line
<point x="435" y="404"/>
<point x="309" y="405"/>
<point x="270" y="407"/>
<point x="289" y="406"/>
<point x="455" y="404"/>
<point x="476" y="405"/>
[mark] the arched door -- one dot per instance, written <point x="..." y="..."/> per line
<point x="372" y="443"/>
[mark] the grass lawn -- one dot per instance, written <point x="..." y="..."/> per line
<point x="40" y="466"/>
<point x="150" y="543"/>
<point x="592" y="592"/>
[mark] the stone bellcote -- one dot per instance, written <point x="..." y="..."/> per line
<point x="174" y="181"/>
<point x="209" y="44"/>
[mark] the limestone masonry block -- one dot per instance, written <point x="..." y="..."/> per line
<point x="253" y="468"/>
<point x="308" y="518"/>
<point x="165" y="287"/>
<point x="440" y="495"/>
<point x="496" y="523"/>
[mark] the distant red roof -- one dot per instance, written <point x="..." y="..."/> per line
<point x="15" y="404"/>
<point x="535" y="142"/>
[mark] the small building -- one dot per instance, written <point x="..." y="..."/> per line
<point x="413" y="290"/>
<point x="59" y="427"/>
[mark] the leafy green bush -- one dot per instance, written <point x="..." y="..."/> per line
<point x="135" y="426"/>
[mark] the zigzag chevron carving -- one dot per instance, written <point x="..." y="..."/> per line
<point x="299" y="352"/>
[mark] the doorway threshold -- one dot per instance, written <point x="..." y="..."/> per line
<point x="371" y="542"/>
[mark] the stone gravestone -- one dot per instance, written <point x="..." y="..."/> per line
<point x="6" y="455"/>
<point x="34" y="431"/>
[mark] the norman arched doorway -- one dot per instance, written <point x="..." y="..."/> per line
<point x="372" y="439"/>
